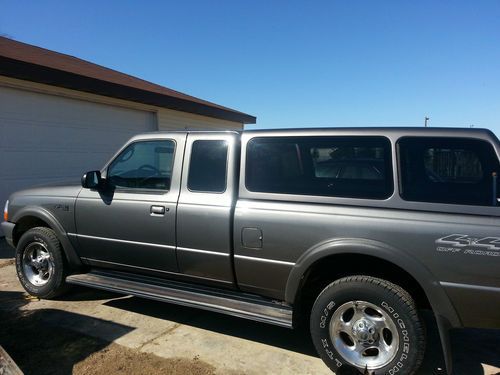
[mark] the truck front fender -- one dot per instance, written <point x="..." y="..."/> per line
<point x="45" y="215"/>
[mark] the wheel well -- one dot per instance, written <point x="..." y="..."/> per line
<point x="25" y="224"/>
<point x="329" y="269"/>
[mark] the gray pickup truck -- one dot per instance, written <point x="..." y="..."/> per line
<point x="352" y="231"/>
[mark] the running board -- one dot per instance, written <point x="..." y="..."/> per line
<point x="228" y="302"/>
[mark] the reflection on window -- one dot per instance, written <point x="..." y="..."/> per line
<point x="365" y="163"/>
<point x="452" y="165"/>
<point x="208" y="165"/>
<point x="447" y="170"/>
<point x="357" y="167"/>
<point x="143" y="165"/>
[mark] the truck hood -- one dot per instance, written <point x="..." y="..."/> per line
<point x="59" y="189"/>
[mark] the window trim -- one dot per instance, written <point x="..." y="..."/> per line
<point x="390" y="170"/>
<point x="225" y="171"/>
<point x="131" y="190"/>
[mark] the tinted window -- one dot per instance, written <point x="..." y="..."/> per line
<point x="447" y="170"/>
<point x="357" y="167"/>
<point x="207" y="168"/>
<point x="143" y="165"/>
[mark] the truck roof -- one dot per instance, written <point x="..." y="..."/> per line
<point x="383" y="131"/>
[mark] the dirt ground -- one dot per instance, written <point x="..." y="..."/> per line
<point x="95" y="332"/>
<point x="41" y="348"/>
<point x="116" y="359"/>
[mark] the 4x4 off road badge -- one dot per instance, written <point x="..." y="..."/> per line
<point x="465" y="244"/>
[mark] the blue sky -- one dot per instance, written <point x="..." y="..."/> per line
<point x="292" y="63"/>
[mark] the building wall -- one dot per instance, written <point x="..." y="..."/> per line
<point x="167" y="119"/>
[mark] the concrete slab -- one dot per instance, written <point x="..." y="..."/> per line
<point x="7" y="365"/>
<point x="231" y="353"/>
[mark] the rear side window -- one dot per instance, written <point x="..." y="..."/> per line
<point x="208" y="166"/>
<point x="447" y="170"/>
<point x="354" y="167"/>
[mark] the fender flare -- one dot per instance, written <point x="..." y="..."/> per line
<point x="435" y="293"/>
<point x="44" y="215"/>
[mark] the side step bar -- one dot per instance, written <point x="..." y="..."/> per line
<point x="238" y="304"/>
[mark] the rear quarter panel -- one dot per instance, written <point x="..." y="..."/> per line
<point x="296" y="234"/>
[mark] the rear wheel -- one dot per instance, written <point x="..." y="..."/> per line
<point x="368" y="324"/>
<point x="40" y="264"/>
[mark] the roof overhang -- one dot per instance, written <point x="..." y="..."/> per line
<point x="42" y="74"/>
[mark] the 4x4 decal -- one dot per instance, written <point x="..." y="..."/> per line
<point x="462" y="240"/>
<point x="463" y="243"/>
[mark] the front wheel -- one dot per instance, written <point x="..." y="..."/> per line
<point x="368" y="324"/>
<point x="40" y="263"/>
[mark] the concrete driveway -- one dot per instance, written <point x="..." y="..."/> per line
<point x="210" y="342"/>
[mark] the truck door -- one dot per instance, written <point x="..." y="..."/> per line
<point x="130" y="222"/>
<point x="206" y="206"/>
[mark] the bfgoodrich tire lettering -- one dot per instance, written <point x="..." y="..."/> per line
<point x="379" y="331"/>
<point x="40" y="263"/>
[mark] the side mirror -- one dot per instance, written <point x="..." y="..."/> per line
<point x="92" y="180"/>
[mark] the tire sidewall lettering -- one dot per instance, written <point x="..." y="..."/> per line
<point x="326" y="341"/>
<point x="404" y="346"/>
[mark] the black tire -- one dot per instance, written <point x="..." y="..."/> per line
<point x="41" y="238"/>
<point x="392" y="303"/>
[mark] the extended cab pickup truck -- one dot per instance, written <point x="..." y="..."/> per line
<point x="352" y="231"/>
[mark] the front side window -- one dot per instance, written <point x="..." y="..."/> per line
<point x="143" y="165"/>
<point x="208" y="166"/>
<point x="354" y="167"/>
<point x="447" y="170"/>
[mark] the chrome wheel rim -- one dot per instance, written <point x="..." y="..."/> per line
<point x="364" y="335"/>
<point x="38" y="267"/>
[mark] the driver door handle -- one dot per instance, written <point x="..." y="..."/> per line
<point x="158" y="210"/>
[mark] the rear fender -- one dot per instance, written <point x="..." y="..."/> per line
<point x="445" y="314"/>
<point x="436" y="295"/>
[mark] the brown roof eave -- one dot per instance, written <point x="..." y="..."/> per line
<point x="42" y="74"/>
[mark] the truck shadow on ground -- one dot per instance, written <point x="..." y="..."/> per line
<point x="81" y="293"/>
<point x="6" y="252"/>
<point x="39" y="344"/>
<point x="471" y="348"/>
<point x="288" y="339"/>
